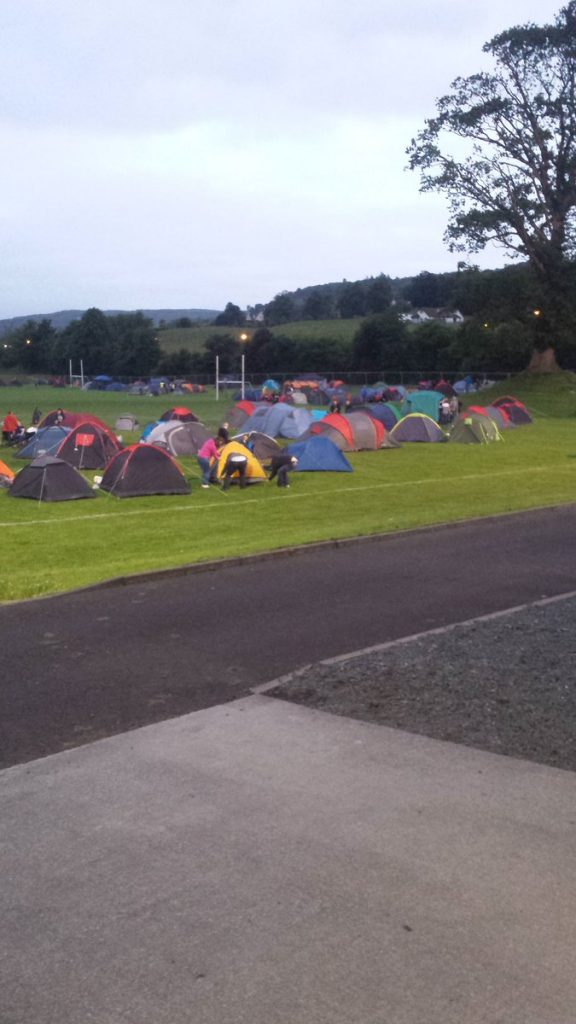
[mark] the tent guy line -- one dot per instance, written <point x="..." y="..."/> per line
<point x="294" y="497"/>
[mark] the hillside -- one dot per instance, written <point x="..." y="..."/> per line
<point x="64" y="317"/>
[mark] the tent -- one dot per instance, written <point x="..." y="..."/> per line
<point x="427" y="402"/>
<point x="337" y="427"/>
<point x="474" y="429"/>
<point x="238" y="415"/>
<point x="280" y="420"/>
<point x="180" y="439"/>
<point x="71" y="419"/>
<point x="493" y="412"/>
<point x="126" y="422"/>
<point x="50" y="479"/>
<point x="387" y="414"/>
<point x="87" y="446"/>
<point x="46" y="441"/>
<point x="179" y="413"/>
<point x="263" y="446"/>
<point x="143" y="469"/>
<point x="417" y="427"/>
<point x="254" y="471"/>
<point x="354" y="431"/>
<point x="6" y="474"/>
<point x="319" y="454"/>
<point x="368" y="432"/>
<point x="514" y="409"/>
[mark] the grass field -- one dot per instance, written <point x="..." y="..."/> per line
<point x="49" y="548"/>
<point x="193" y="338"/>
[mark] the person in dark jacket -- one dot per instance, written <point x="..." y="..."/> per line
<point x="280" y="466"/>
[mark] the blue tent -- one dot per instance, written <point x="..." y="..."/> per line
<point x="380" y="411"/>
<point x="280" y="420"/>
<point x="149" y="428"/>
<point x="46" y="441"/>
<point x="319" y="454"/>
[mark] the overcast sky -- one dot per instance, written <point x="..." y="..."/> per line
<point x="187" y="153"/>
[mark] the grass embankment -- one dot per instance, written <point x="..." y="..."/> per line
<point x="193" y="338"/>
<point x="50" y="548"/>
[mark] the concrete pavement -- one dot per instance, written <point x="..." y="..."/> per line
<point x="260" y="862"/>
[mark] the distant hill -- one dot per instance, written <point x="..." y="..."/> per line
<point x="66" y="316"/>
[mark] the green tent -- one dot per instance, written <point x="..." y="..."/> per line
<point x="427" y="402"/>
<point x="474" y="430"/>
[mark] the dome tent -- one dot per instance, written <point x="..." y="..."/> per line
<point x="255" y="471"/>
<point x="46" y="441"/>
<point x="318" y="454"/>
<point x="180" y="439"/>
<point x="143" y="469"/>
<point x="50" y="479"/>
<point x="87" y="446"/>
<point x="179" y="413"/>
<point x="474" y="430"/>
<point x="417" y="427"/>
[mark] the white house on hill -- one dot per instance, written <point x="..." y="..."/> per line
<point x="433" y="315"/>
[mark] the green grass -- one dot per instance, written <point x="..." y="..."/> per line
<point x="51" y="548"/>
<point x="193" y="338"/>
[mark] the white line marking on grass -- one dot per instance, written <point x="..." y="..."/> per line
<point x="316" y="496"/>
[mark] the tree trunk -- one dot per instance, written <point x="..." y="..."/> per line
<point x="543" y="362"/>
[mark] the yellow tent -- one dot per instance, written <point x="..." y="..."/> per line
<point x="254" y="470"/>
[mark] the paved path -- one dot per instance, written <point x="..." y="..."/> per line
<point x="83" y="666"/>
<point x="261" y="863"/>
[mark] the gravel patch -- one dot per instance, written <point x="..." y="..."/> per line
<point x="506" y="684"/>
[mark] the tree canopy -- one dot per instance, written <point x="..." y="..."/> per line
<point x="515" y="184"/>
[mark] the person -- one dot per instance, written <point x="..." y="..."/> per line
<point x="280" y="466"/>
<point x="60" y="414"/>
<point x="207" y="458"/>
<point x="235" y="463"/>
<point x="36" y="416"/>
<point x="445" y="412"/>
<point x="10" y="427"/>
<point x="348" y="403"/>
<point x="335" y="404"/>
<point x="223" y="433"/>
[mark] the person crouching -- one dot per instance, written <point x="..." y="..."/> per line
<point x="280" y="466"/>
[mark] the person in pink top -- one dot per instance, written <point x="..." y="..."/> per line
<point x="207" y="457"/>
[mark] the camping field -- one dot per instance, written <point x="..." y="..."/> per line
<point x="50" y="548"/>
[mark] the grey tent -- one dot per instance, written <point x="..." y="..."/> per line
<point x="416" y="426"/>
<point x="50" y="479"/>
<point x="180" y="439"/>
<point x="263" y="446"/>
<point x="143" y="469"/>
<point x="126" y="422"/>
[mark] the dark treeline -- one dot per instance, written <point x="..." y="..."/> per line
<point x="504" y="323"/>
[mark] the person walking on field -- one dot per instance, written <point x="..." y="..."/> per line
<point x="207" y="458"/>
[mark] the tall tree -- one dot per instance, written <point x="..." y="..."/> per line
<point x="380" y="343"/>
<point x="231" y="317"/>
<point x="517" y="184"/>
<point x="281" y="310"/>
<point x="90" y="339"/>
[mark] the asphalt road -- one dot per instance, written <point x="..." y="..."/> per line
<point x="82" y="666"/>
